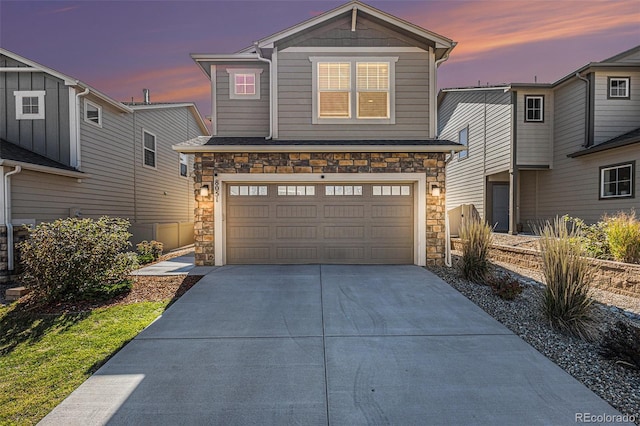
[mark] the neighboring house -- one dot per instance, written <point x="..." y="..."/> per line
<point x="535" y="151"/>
<point x="323" y="147"/>
<point x="67" y="150"/>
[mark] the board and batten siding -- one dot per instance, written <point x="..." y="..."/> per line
<point x="572" y="186"/>
<point x="241" y="117"/>
<point x="48" y="137"/>
<point x="614" y="117"/>
<point x="295" y="109"/>
<point x="488" y="117"/>
<point x="534" y="139"/>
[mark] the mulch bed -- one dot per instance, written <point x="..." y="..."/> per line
<point x="145" y="289"/>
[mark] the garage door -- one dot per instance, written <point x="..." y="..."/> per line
<point x="312" y="223"/>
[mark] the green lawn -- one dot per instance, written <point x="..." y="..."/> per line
<point x="43" y="358"/>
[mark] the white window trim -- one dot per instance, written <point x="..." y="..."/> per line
<point x="155" y="151"/>
<point x="631" y="193"/>
<point x="625" y="79"/>
<point x="180" y="163"/>
<point x="232" y="82"/>
<point x="466" y="150"/>
<point x="20" y="94"/>
<point x="353" y="99"/>
<point x="526" y="108"/>
<point x="86" y="118"/>
<point x="419" y="180"/>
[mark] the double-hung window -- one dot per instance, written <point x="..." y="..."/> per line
<point x="534" y="108"/>
<point x="29" y="104"/>
<point x="353" y="90"/>
<point x="148" y="149"/>
<point x="463" y="139"/>
<point x="616" y="181"/>
<point x="618" y="88"/>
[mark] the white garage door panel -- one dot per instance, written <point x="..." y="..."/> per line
<point x="294" y="227"/>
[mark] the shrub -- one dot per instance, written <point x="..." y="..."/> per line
<point x="592" y="237"/>
<point x="505" y="286"/>
<point x="622" y="343"/>
<point x="77" y="258"/>
<point x="149" y="251"/>
<point x="623" y="237"/>
<point x="476" y="241"/>
<point x="566" y="297"/>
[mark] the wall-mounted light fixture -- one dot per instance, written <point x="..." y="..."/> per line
<point x="204" y="191"/>
<point x="435" y="190"/>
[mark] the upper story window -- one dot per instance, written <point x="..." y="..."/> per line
<point x="149" y="149"/>
<point x="184" y="165"/>
<point x="534" y="108"/>
<point x="29" y="104"/>
<point x="619" y="88"/>
<point x="463" y="139"/>
<point x="358" y="90"/>
<point x="92" y="113"/>
<point x="244" y="83"/>
<point x="616" y="181"/>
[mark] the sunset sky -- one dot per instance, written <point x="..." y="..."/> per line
<point x="121" y="47"/>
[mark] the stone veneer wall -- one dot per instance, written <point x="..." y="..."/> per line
<point x="19" y="234"/>
<point x="207" y="164"/>
<point x="616" y="277"/>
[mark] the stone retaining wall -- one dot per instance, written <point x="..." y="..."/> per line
<point x="616" y="277"/>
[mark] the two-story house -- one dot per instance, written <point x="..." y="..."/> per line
<point x="324" y="145"/>
<point x="535" y="151"/>
<point x="68" y="150"/>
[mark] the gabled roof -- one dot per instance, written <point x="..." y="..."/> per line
<point x="14" y="155"/>
<point x="167" y="105"/>
<point x="622" y="55"/>
<point x="441" y="42"/>
<point x="260" y="144"/>
<point x="628" y="138"/>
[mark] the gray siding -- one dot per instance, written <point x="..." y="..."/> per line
<point x="534" y="139"/>
<point x="118" y="184"/>
<point x="572" y="186"/>
<point x="162" y="195"/>
<point x="242" y="117"/>
<point x="411" y="100"/>
<point x="488" y="115"/>
<point x="338" y="34"/>
<point x="48" y="137"/>
<point x="613" y="117"/>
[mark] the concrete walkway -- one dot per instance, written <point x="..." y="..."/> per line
<point x="318" y="345"/>
<point x="177" y="266"/>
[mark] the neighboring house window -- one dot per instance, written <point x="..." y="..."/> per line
<point x="244" y="83"/>
<point x="463" y="139"/>
<point x="92" y="113"/>
<point x="616" y="181"/>
<point x="534" y="108"/>
<point x="354" y="90"/>
<point x="334" y="90"/>
<point x="184" y="165"/>
<point x="29" y="104"/>
<point x="149" y="149"/>
<point x="619" y="88"/>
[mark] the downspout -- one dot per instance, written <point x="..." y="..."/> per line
<point x="447" y="231"/>
<point x="263" y="59"/>
<point x="78" y="118"/>
<point x="587" y="110"/>
<point x="7" y="216"/>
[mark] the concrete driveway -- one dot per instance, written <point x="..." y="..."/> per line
<point x="340" y="345"/>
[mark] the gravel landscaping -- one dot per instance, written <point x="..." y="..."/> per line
<point x="614" y="383"/>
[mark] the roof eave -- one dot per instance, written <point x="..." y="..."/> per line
<point x="44" y="169"/>
<point x="316" y="148"/>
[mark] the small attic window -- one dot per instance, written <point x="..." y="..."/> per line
<point x="29" y="104"/>
<point x="244" y="83"/>
<point x="92" y="113"/>
<point x="619" y="87"/>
